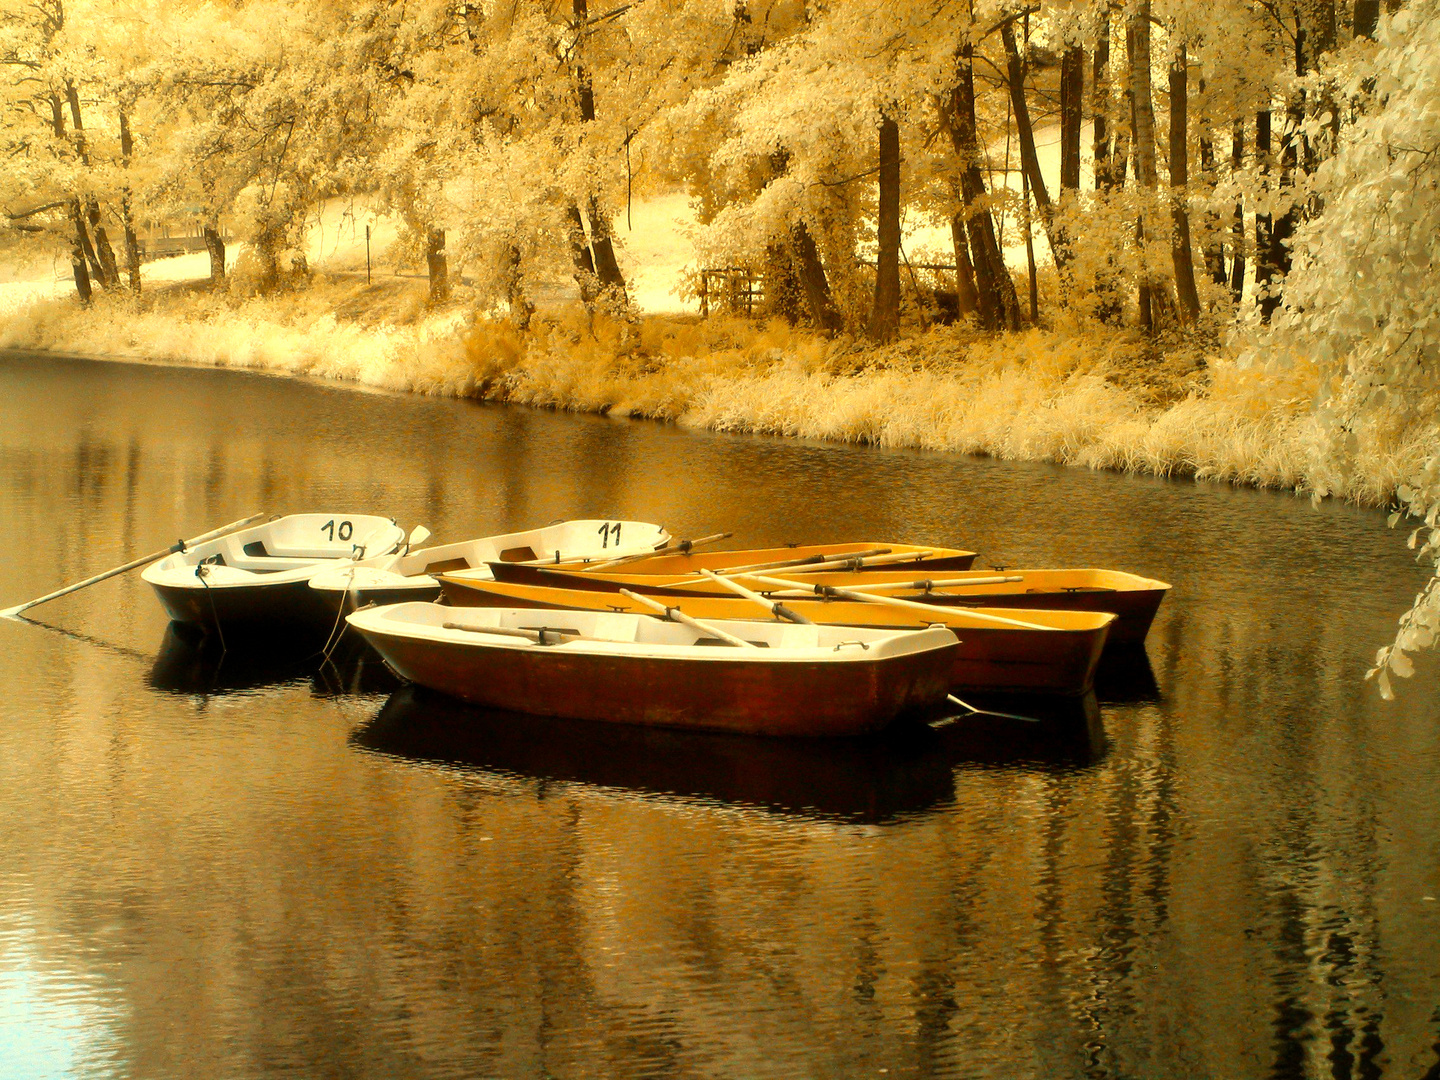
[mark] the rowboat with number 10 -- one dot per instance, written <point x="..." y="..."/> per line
<point x="260" y="576"/>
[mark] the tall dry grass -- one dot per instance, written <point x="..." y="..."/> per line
<point x="1088" y="397"/>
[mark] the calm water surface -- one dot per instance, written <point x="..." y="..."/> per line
<point x="261" y="864"/>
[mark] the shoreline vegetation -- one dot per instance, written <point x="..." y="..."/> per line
<point x="1097" y="398"/>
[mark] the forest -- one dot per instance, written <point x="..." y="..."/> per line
<point x="1253" y="183"/>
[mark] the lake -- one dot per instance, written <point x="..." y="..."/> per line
<point x="262" y="862"/>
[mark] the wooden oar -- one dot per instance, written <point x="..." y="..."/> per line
<point x="861" y="562"/>
<point x="779" y="610"/>
<point x="181" y="546"/>
<point x="682" y="547"/>
<point x="973" y="711"/>
<point x="810" y="562"/>
<point x="676" y="615"/>
<point x="895" y="601"/>
<point x="923" y="585"/>
<point x="543" y="635"/>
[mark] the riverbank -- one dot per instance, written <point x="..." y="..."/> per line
<point x="1090" y="397"/>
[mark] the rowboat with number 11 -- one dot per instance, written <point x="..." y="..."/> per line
<point x="778" y="679"/>
<point x="409" y="575"/>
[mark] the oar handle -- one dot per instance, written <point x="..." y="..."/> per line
<point x="895" y="601"/>
<point x="681" y="547"/>
<point x="542" y="635"/>
<point x="776" y="608"/>
<point x="861" y="561"/>
<point x="676" y="615"/>
<point x="143" y="560"/>
<point x="810" y="562"/>
<point x="922" y="585"/>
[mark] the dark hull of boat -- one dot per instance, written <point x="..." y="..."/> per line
<point x="802" y="699"/>
<point x="284" y="608"/>
<point x="1004" y="661"/>
<point x="902" y="771"/>
<point x="1134" y="608"/>
<point x="994" y="659"/>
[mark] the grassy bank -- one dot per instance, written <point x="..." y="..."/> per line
<point x="1091" y="397"/>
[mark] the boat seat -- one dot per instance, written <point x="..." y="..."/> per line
<point x="799" y="636"/>
<point x="616" y="626"/>
<point x="256" y="549"/>
<point x="271" y="564"/>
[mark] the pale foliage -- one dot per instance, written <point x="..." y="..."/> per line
<point x="1362" y="303"/>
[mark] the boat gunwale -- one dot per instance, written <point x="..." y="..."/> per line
<point x="883" y="644"/>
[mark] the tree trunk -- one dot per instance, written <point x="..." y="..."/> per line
<point x="812" y="279"/>
<point x="215" y="245"/>
<point x="1264" y="251"/>
<point x="82" y="241"/>
<point x="1029" y="225"/>
<point x="521" y="309"/>
<point x="602" y="252"/>
<point x="1142" y="108"/>
<point x="1072" y="93"/>
<point x="782" y="287"/>
<point x="1029" y="160"/>
<point x="132" y="245"/>
<point x="1180" y="254"/>
<point x="82" y="274"/>
<point x="885" y="317"/>
<point x="436" y="264"/>
<point x="1138" y="36"/>
<point x="1214" y="253"/>
<point x="1100" y="91"/>
<point x="1108" y="307"/>
<point x="1214" y="233"/>
<point x="81" y="245"/>
<point x="1323" y="38"/>
<point x="1367" y="17"/>
<point x="105" y="254"/>
<point x="1237" y="225"/>
<point x="606" y="266"/>
<point x="998" y="305"/>
<point x="1283" y="229"/>
<point x="580" y="255"/>
<point x="966" y="297"/>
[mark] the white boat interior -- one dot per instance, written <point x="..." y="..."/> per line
<point x="571" y="543"/>
<point x="290" y="548"/>
<point x="623" y="634"/>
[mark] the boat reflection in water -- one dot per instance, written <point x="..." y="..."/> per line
<point x="901" y="772"/>
<point x="1125" y="676"/>
<point x="194" y="664"/>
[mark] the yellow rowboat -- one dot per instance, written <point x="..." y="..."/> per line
<point x="1130" y="597"/>
<point x="866" y="556"/>
<point x="1026" y="651"/>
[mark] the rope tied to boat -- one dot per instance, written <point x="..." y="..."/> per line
<point x="202" y="571"/>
